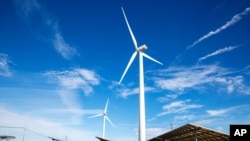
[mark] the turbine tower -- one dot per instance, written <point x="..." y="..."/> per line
<point x="140" y="50"/>
<point x="105" y="117"/>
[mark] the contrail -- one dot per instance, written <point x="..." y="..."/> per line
<point x="217" y="52"/>
<point x="236" y="18"/>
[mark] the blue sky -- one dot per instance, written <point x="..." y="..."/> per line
<point x="60" y="61"/>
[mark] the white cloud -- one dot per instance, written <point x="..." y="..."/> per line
<point x="236" y="18"/>
<point x="217" y="112"/>
<point x="222" y="112"/>
<point x="62" y="47"/>
<point x="69" y="82"/>
<point x="178" y="107"/>
<point x="168" y="97"/>
<point x="179" y="79"/>
<point x="247" y="69"/>
<point x="44" y="25"/>
<point x="125" y="92"/>
<point x="4" y="65"/>
<point x="74" y="79"/>
<point x="217" y="52"/>
<point x="233" y="114"/>
<point x="233" y="84"/>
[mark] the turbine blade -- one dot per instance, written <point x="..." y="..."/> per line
<point x="147" y="56"/>
<point x="98" y="115"/>
<point x="105" y="110"/>
<point x="129" y="63"/>
<point x="106" y="117"/>
<point x="130" y="30"/>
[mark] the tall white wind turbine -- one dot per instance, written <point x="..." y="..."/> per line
<point x="105" y="117"/>
<point x="140" y="50"/>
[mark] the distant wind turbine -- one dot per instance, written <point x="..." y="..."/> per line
<point x="105" y="117"/>
<point x="140" y="50"/>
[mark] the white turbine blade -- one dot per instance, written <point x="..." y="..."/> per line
<point x="98" y="115"/>
<point x="105" y="110"/>
<point x="130" y="30"/>
<point x="129" y="63"/>
<point x="106" y="117"/>
<point x="147" y="56"/>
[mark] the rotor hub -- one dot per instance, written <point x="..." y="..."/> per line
<point x="142" y="48"/>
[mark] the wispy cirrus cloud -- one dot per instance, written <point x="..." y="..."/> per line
<point x="77" y="78"/>
<point x="62" y="47"/>
<point x="247" y="69"/>
<point x="221" y="112"/>
<point x="217" y="52"/>
<point x="44" y="25"/>
<point x="125" y="92"/>
<point x="178" y="107"/>
<point x="167" y="97"/>
<point x="236" y="18"/>
<point x="184" y="117"/>
<point x="218" y="112"/>
<point x="179" y="79"/>
<point x="5" y="69"/>
<point x="68" y="83"/>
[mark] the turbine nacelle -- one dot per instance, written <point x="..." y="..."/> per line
<point x="142" y="48"/>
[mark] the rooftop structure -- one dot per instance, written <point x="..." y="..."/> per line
<point x="191" y="132"/>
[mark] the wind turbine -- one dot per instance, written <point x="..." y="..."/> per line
<point x="139" y="50"/>
<point x="105" y="117"/>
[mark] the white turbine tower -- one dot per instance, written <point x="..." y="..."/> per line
<point x="140" y="50"/>
<point x="105" y="117"/>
